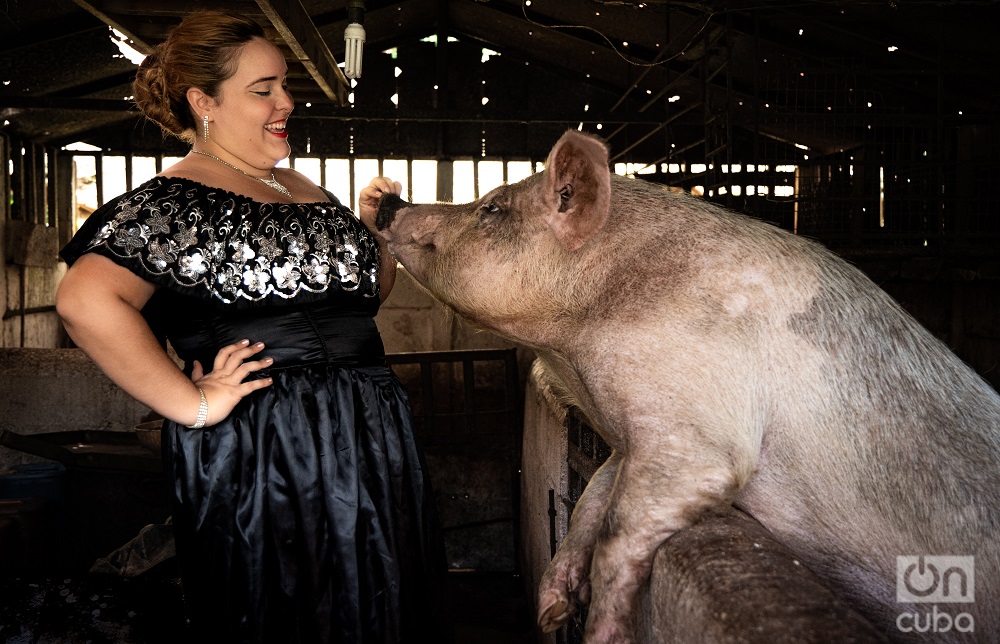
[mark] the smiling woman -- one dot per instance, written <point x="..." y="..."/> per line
<point x="301" y="507"/>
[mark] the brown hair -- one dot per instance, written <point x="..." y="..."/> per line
<point x="200" y="52"/>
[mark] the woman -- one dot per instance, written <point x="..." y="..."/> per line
<point x="301" y="505"/>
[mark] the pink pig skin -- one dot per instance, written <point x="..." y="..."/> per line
<point x="726" y="362"/>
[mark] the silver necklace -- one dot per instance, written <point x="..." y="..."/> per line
<point x="270" y="183"/>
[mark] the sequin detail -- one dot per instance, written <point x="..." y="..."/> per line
<point x="237" y="248"/>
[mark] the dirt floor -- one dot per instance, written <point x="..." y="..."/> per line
<point x="489" y="608"/>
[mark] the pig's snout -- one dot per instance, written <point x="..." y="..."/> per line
<point x="387" y="208"/>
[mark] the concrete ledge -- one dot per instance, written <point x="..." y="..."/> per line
<point x="727" y="580"/>
<point x="52" y="390"/>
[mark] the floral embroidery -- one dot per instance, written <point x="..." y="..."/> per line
<point x="130" y="240"/>
<point x="193" y="265"/>
<point x="160" y="254"/>
<point x="236" y="248"/>
<point x="128" y="212"/>
<point x="268" y="247"/>
<point x="286" y="275"/>
<point x="185" y="236"/>
<point x="321" y="242"/>
<point x="157" y="223"/>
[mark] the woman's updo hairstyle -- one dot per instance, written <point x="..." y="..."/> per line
<point x="200" y="52"/>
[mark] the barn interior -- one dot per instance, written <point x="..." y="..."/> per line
<point x="868" y="125"/>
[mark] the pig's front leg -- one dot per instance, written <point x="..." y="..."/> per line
<point x="566" y="580"/>
<point x="653" y="497"/>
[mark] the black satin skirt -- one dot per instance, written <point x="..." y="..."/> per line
<point x="306" y="516"/>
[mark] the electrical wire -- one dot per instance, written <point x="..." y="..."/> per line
<point x="708" y="19"/>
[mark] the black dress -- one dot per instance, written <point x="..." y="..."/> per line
<point x="305" y="516"/>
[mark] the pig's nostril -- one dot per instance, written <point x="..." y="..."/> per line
<point x="387" y="208"/>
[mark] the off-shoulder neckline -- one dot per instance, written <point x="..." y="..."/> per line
<point x="162" y="179"/>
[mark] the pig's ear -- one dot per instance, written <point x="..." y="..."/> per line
<point x="577" y="188"/>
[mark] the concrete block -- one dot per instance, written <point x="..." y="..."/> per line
<point x="50" y="390"/>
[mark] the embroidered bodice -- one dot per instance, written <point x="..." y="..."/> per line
<point x="217" y="245"/>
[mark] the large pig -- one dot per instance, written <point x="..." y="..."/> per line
<point x="726" y="362"/>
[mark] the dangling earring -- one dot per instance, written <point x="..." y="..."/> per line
<point x="204" y="123"/>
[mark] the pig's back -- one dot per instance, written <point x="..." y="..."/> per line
<point x="877" y="440"/>
<point x="882" y="442"/>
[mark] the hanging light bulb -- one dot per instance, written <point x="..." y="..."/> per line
<point x="354" y="38"/>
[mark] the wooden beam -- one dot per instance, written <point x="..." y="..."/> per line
<point x="51" y="33"/>
<point x="95" y="7"/>
<point x="292" y="21"/>
<point x="64" y="103"/>
<point x="96" y="85"/>
<point x="174" y="8"/>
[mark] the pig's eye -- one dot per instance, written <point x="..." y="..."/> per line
<point x="490" y="208"/>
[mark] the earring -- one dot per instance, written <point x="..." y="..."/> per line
<point x="204" y="123"/>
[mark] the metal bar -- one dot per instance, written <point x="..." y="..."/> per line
<point x="19" y="187"/>
<point x="14" y="313"/>
<point x="351" y="180"/>
<point x="729" y="99"/>
<point x="618" y="129"/>
<point x="475" y="179"/>
<point x="515" y="423"/>
<point x="709" y="155"/>
<point x="446" y="356"/>
<point x="689" y="146"/>
<point x="581" y="462"/>
<point x="37" y="178"/>
<point x="409" y="178"/>
<point x="654" y="131"/>
<point x="22" y="294"/>
<point x="511" y="410"/>
<point x="427" y="386"/>
<point x="676" y="79"/>
<point x="455" y="414"/>
<point x="51" y="181"/>
<point x="99" y="175"/>
<point x="645" y="72"/>
<point x="468" y="390"/>
<point x="552" y="523"/>
<point x="718" y="71"/>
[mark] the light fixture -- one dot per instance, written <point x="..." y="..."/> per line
<point x="354" y="38"/>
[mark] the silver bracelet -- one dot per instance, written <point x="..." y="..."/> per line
<point x="202" y="412"/>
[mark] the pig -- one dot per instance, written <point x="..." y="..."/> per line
<point x="726" y="362"/>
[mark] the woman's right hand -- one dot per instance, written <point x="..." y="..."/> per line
<point x="224" y="385"/>
<point x="370" y="196"/>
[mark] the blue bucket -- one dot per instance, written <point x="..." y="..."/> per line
<point x="33" y="504"/>
<point x="44" y="481"/>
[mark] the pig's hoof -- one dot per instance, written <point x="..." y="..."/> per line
<point x="553" y="611"/>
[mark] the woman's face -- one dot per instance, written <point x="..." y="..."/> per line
<point x="248" y="120"/>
